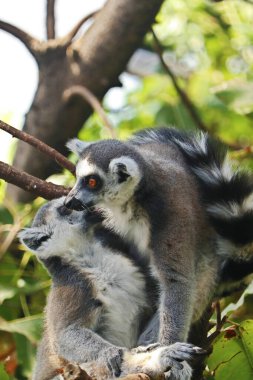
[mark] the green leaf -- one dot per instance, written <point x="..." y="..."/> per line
<point x="5" y="215"/>
<point x="246" y="332"/>
<point x="3" y="374"/>
<point x="26" y="355"/>
<point x="235" y="306"/>
<point x="237" y="95"/>
<point x="232" y="356"/>
<point x="30" y="327"/>
<point x="7" y="292"/>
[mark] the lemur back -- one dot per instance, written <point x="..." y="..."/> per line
<point x="226" y="193"/>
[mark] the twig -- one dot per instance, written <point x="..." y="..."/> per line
<point x="243" y="152"/>
<point x="30" y="183"/>
<point x="218" y="315"/>
<point x="50" y="19"/>
<point x="69" y="37"/>
<point x="183" y="95"/>
<point x="29" y="41"/>
<point x="42" y="147"/>
<point x="93" y="101"/>
<point x="185" y="99"/>
<point x="5" y="244"/>
<point x="219" y="323"/>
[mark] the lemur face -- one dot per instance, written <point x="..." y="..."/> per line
<point x="53" y="229"/>
<point x="108" y="172"/>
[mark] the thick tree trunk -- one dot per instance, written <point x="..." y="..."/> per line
<point x="95" y="61"/>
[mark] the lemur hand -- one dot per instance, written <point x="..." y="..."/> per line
<point x="156" y="359"/>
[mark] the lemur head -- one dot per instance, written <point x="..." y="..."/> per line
<point x="54" y="228"/>
<point x="108" y="172"/>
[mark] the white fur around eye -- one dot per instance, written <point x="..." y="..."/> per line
<point x="85" y="167"/>
<point x="131" y="166"/>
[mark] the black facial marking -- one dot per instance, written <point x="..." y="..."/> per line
<point x="35" y="243"/>
<point x="122" y="173"/>
<point x="74" y="204"/>
<point x="64" y="211"/>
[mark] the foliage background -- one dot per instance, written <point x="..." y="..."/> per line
<point x="209" y="47"/>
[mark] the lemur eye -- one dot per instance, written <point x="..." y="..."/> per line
<point x="93" y="182"/>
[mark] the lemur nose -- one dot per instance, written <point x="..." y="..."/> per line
<point x="74" y="204"/>
<point x="64" y="211"/>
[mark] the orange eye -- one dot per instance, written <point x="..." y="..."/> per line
<point x="92" y="183"/>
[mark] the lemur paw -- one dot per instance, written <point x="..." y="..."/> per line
<point x="180" y="351"/>
<point x="157" y="359"/>
<point x="175" y="356"/>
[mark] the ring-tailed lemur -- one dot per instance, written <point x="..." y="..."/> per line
<point x="101" y="298"/>
<point x="176" y="197"/>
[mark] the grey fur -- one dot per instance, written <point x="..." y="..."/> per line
<point x="151" y="197"/>
<point x="77" y="146"/>
<point x="96" y="302"/>
<point x="168" y="217"/>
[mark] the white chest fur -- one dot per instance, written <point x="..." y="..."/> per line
<point x="121" y="288"/>
<point x="134" y="226"/>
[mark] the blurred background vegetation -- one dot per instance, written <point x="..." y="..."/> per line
<point x="209" y="49"/>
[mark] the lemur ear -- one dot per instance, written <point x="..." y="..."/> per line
<point x="32" y="238"/>
<point x="77" y="146"/>
<point x="124" y="167"/>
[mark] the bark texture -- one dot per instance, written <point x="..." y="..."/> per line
<point x="95" y="60"/>
<point x="31" y="184"/>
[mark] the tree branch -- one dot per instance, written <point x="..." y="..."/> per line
<point x="184" y="97"/>
<point x="50" y="19"/>
<point x="69" y="37"/>
<point x="30" y="183"/>
<point x="29" y="41"/>
<point x="219" y="323"/>
<point x="93" y="102"/>
<point x="38" y="144"/>
<point x="95" y="60"/>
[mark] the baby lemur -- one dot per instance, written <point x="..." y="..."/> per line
<point x="101" y="299"/>
<point x="176" y="197"/>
